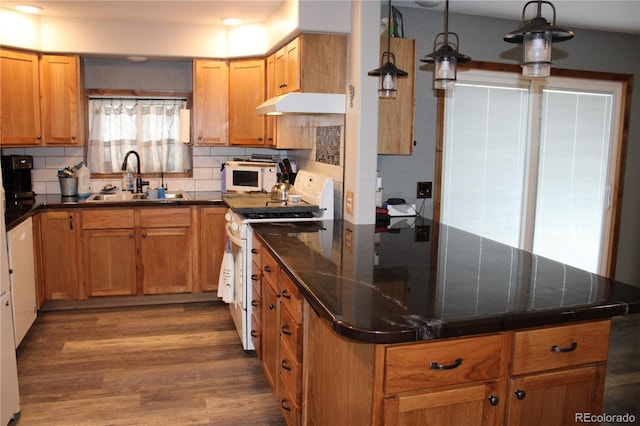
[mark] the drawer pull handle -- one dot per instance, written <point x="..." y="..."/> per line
<point x="494" y="400"/>
<point x="283" y="404"/>
<point x="285" y="330"/>
<point x="267" y="268"/>
<point x="254" y="251"/>
<point x="254" y="303"/>
<point x="254" y="333"/>
<point x="284" y="365"/>
<point x="573" y="347"/>
<point x="520" y="394"/>
<point x="254" y="277"/>
<point x="436" y="366"/>
<point x="286" y="294"/>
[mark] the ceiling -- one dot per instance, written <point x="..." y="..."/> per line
<point x="607" y="15"/>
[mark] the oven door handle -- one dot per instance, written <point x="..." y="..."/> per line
<point x="234" y="240"/>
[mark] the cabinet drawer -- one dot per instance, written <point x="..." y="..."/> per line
<point x="107" y="219"/>
<point x="270" y="270"/>
<point x="165" y="217"/>
<point x="290" y="409"/>
<point x="558" y="347"/>
<point x="291" y="333"/>
<point x="291" y="372"/>
<point x="256" y="333"/>
<point x="256" y="281"/>
<point x="256" y="252"/>
<point x="291" y="298"/>
<point x="447" y="362"/>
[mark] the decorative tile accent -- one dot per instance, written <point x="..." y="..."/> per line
<point x="328" y="145"/>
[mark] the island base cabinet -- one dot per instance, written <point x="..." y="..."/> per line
<point x="556" y="398"/>
<point x="480" y="404"/>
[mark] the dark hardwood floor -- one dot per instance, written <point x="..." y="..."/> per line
<point x="182" y="364"/>
<point x="179" y="364"/>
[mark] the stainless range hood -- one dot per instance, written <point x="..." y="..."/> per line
<point x="304" y="103"/>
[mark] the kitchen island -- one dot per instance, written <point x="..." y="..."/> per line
<point x="435" y="326"/>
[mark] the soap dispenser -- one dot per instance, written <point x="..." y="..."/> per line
<point x="127" y="182"/>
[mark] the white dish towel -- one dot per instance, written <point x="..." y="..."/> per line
<point x="225" y="281"/>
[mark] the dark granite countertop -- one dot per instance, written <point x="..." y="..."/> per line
<point x="405" y="285"/>
<point x="17" y="211"/>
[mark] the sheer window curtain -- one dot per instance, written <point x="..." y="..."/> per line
<point x="149" y="127"/>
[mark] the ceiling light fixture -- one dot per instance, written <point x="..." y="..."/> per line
<point x="537" y="36"/>
<point x="445" y="56"/>
<point x="231" y="21"/>
<point x="28" y="8"/>
<point x="388" y="72"/>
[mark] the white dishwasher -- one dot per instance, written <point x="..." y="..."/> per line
<point x="23" y="278"/>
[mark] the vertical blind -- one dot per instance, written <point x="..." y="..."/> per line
<point x="529" y="163"/>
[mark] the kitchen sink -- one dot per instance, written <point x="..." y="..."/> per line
<point x="129" y="197"/>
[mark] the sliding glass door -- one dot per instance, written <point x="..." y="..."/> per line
<point x="531" y="163"/>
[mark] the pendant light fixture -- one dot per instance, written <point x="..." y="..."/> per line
<point x="537" y="36"/>
<point x="445" y="56"/>
<point x="388" y="72"/>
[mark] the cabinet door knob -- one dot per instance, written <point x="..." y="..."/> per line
<point x="73" y="138"/>
<point x="494" y="400"/>
<point x="144" y="235"/>
<point x="267" y="268"/>
<point x="254" y="303"/>
<point x="254" y="333"/>
<point x="284" y="406"/>
<point x="254" y="277"/>
<point x="272" y="306"/>
<point x="131" y="235"/>
<point x="572" y="348"/>
<point x="285" y="365"/>
<point x="286" y="330"/>
<point x="254" y="251"/>
<point x="520" y="394"/>
<point x="286" y="294"/>
<point x="435" y="366"/>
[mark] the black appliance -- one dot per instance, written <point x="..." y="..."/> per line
<point x="16" y="176"/>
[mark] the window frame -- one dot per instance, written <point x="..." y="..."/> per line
<point x="610" y="247"/>
<point x="108" y="93"/>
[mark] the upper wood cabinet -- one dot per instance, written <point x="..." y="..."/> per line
<point x="61" y="100"/>
<point x="270" y="131"/>
<point x="20" y="98"/>
<point x="210" y="102"/>
<point x="312" y="63"/>
<point x="396" y="115"/>
<point x="41" y="100"/>
<point x="246" y="92"/>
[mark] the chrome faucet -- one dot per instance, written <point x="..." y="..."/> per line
<point x="139" y="182"/>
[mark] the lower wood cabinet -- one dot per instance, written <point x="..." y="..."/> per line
<point x="58" y="270"/>
<point x="128" y="251"/>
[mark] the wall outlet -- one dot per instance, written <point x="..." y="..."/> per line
<point x="349" y="202"/>
<point x="424" y="190"/>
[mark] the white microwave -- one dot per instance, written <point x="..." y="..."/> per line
<point x="249" y="176"/>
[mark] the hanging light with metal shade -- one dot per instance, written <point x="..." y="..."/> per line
<point x="445" y="56"/>
<point x="537" y="35"/>
<point x="388" y="72"/>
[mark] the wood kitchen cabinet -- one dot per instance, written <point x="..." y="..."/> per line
<point x="270" y="123"/>
<point x="61" y="100"/>
<point x="20" y="100"/>
<point x="41" y="100"/>
<point x="135" y="251"/>
<point x="211" y="245"/>
<point x="257" y="319"/>
<point x="246" y="92"/>
<point x="210" y="102"/>
<point x="59" y="265"/>
<point x="109" y="247"/>
<point x="312" y="63"/>
<point x="271" y="316"/>
<point x="564" y="364"/>
<point x="396" y="115"/>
